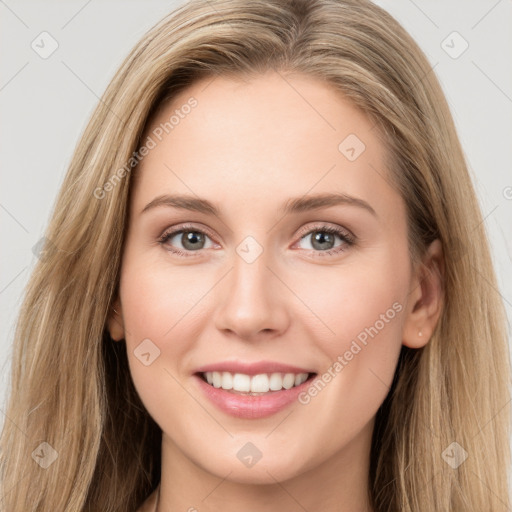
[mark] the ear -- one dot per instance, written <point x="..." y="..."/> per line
<point x="425" y="298"/>
<point x="115" y="322"/>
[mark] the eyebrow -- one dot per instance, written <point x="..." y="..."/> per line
<point x="293" y="205"/>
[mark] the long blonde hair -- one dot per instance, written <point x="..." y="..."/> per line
<point x="71" y="386"/>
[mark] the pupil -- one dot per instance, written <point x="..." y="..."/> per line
<point x="190" y="239"/>
<point x="321" y="238"/>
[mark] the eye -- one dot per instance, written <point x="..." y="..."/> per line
<point x="185" y="240"/>
<point x="322" y="240"/>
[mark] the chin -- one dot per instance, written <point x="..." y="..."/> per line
<point x="265" y="471"/>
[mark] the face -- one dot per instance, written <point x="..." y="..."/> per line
<point x="287" y="253"/>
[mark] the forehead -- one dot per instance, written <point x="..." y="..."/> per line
<point x="266" y="138"/>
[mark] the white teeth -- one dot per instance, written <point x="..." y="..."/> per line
<point x="217" y="379"/>
<point x="288" y="381"/>
<point x="261" y="383"/>
<point x="241" y="382"/>
<point x="276" y="382"/>
<point x="227" y="381"/>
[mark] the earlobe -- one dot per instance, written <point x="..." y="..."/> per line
<point x="426" y="298"/>
<point x="115" y="321"/>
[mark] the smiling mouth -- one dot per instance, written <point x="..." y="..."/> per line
<point x="254" y="385"/>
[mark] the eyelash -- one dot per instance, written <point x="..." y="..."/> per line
<point x="347" y="238"/>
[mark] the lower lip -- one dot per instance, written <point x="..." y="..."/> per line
<point x="251" y="406"/>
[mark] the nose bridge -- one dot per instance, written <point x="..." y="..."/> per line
<point x="250" y="279"/>
<point x="251" y="302"/>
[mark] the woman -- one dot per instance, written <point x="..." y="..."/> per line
<point x="331" y="342"/>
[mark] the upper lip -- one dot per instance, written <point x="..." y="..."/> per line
<point x="254" y="368"/>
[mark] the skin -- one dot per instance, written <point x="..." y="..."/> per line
<point x="248" y="147"/>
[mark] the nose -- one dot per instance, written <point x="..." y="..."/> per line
<point x="253" y="303"/>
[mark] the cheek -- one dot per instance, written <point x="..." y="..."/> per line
<point x="163" y="315"/>
<point x="161" y="302"/>
<point x="354" y="302"/>
<point x="361" y="308"/>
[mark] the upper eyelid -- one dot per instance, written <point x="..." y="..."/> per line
<point x="185" y="227"/>
<point x="322" y="225"/>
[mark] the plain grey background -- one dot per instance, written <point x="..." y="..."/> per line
<point x="46" y="102"/>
